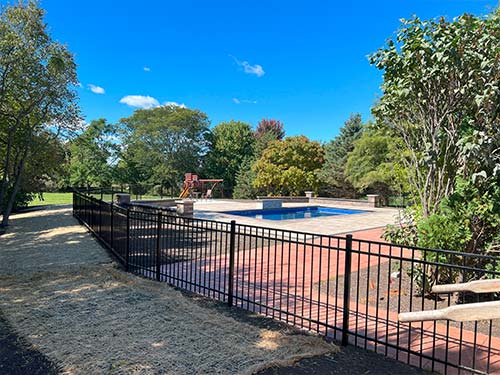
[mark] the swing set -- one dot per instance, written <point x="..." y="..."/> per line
<point x="193" y="186"/>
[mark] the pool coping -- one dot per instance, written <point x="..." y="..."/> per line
<point x="291" y="209"/>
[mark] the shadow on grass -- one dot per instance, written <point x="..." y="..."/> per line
<point x="17" y="358"/>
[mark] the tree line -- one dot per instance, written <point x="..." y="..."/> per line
<point x="155" y="147"/>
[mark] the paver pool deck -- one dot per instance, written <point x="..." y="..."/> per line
<point x="373" y="218"/>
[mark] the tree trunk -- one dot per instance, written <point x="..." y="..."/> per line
<point x="15" y="190"/>
<point x="6" y="168"/>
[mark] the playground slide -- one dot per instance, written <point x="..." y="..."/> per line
<point x="184" y="193"/>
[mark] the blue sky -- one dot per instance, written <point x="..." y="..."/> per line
<point x="302" y="62"/>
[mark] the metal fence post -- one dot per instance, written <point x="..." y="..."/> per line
<point x="111" y="225"/>
<point x="92" y="214"/>
<point x="100" y="218"/>
<point x="158" y="248"/>
<point x="127" y="252"/>
<point x="232" y="240"/>
<point x="347" y="289"/>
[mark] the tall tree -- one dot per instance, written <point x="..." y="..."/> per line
<point x="289" y="167"/>
<point x="441" y="97"/>
<point x="161" y="144"/>
<point x="333" y="179"/>
<point x="91" y="153"/>
<point x="37" y="93"/>
<point x="266" y="126"/>
<point x="373" y="165"/>
<point x="244" y="182"/>
<point x="230" y="144"/>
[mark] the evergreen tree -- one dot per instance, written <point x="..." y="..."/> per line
<point x="332" y="176"/>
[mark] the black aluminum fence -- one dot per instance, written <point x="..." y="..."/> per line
<point x="344" y="288"/>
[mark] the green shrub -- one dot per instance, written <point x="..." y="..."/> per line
<point x="22" y="200"/>
<point x="468" y="221"/>
<point x="405" y="232"/>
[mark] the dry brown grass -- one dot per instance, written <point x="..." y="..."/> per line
<point x="49" y="239"/>
<point x="92" y="318"/>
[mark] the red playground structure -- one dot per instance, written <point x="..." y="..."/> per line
<point x="193" y="186"/>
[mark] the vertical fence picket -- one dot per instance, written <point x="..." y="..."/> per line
<point x="111" y="225"/>
<point x="127" y="249"/>
<point x="347" y="290"/>
<point x="230" y="281"/>
<point x="158" y="247"/>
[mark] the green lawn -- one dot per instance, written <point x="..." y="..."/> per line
<point x="53" y="198"/>
<point x="67" y="198"/>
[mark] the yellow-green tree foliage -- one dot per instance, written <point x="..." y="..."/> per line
<point x="289" y="167"/>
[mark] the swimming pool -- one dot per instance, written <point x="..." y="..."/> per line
<point x="294" y="213"/>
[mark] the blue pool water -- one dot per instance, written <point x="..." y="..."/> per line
<point x="294" y="213"/>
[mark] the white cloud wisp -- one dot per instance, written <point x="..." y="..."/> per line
<point x="256" y="69"/>
<point x="96" y="89"/>
<point x="244" y="101"/>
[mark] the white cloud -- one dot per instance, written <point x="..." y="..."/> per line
<point x="244" y="101"/>
<point x="96" y="89"/>
<point x="175" y="104"/>
<point x="146" y="102"/>
<point x="140" y="101"/>
<point x="253" y="69"/>
<point x="250" y="69"/>
<point x="147" y="69"/>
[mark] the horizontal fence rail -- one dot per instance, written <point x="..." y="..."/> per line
<point x="341" y="287"/>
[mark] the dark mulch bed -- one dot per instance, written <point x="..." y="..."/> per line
<point x="375" y="286"/>
<point x="17" y="358"/>
<point x="349" y="361"/>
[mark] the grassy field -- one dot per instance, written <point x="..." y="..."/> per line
<point x="53" y="198"/>
<point x="67" y="198"/>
